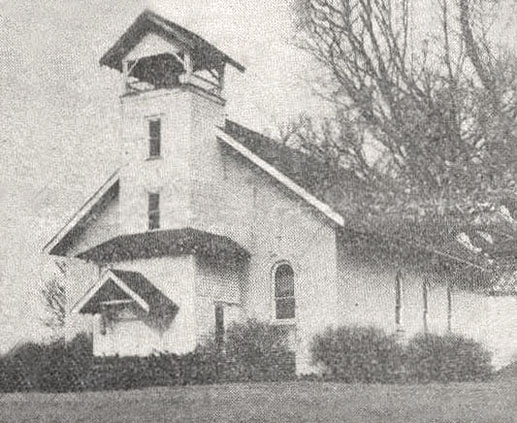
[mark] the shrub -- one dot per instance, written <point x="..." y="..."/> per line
<point x="357" y="354"/>
<point x="63" y="365"/>
<point x="20" y="368"/>
<point x="258" y="351"/>
<point x="124" y="373"/>
<point x="447" y="358"/>
<point x="55" y="367"/>
<point x="202" y="366"/>
<point x="252" y="351"/>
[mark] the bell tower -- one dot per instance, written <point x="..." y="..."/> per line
<point x="172" y="101"/>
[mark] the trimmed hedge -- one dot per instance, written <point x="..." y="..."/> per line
<point x="124" y="373"/>
<point x="448" y="358"/>
<point x="368" y="355"/>
<point x="357" y="354"/>
<point x="258" y="352"/>
<point x="57" y="367"/>
<point x="251" y="352"/>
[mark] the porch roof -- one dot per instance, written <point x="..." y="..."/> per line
<point x="123" y="286"/>
<point x="173" y="242"/>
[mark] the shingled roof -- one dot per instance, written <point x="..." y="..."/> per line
<point x="140" y="287"/>
<point x="309" y="172"/>
<point x="150" y="22"/>
<point x="162" y="243"/>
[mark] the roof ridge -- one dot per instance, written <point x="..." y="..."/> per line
<point x="149" y="16"/>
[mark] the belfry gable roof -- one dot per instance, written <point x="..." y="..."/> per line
<point x="150" y="22"/>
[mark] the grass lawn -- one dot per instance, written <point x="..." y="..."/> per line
<point x="276" y="402"/>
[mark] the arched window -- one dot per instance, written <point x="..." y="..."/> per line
<point x="284" y="292"/>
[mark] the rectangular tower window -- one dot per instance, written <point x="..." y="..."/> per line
<point x="219" y="326"/>
<point x="425" y="298"/>
<point x="154" y="210"/>
<point x="449" y="307"/>
<point x="155" y="137"/>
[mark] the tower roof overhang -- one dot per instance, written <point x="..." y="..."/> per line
<point x="203" y="53"/>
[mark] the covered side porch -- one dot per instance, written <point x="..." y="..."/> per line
<point x="163" y="291"/>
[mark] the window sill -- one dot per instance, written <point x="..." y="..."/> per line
<point x="283" y="322"/>
<point x="152" y="159"/>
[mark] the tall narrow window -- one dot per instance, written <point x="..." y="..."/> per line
<point x="155" y="137"/>
<point x="449" y="306"/>
<point x="154" y="210"/>
<point x="285" y="303"/>
<point x="219" y="326"/>
<point x="425" y="298"/>
<point x="398" y="299"/>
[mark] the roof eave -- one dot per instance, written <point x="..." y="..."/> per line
<point x="112" y="58"/>
<point x="109" y="275"/>
<point x="50" y="247"/>
<point x="129" y="246"/>
<point x="319" y="205"/>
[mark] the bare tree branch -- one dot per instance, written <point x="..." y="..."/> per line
<point x="427" y="126"/>
<point x="54" y="298"/>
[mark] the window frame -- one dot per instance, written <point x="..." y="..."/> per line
<point x="149" y="120"/>
<point x="274" y="298"/>
<point x="154" y="212"/>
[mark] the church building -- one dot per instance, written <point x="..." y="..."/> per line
<point x="209" y="223"/>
